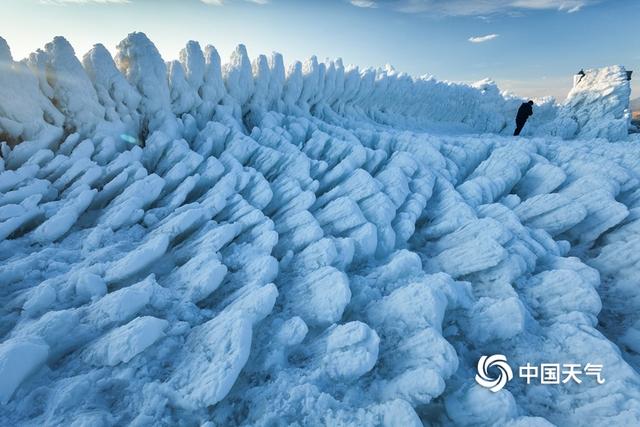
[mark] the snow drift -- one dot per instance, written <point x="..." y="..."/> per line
<point x="192" y="242"/>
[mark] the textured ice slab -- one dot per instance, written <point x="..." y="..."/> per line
<point x="191" y="243"/>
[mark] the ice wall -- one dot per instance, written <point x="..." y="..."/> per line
<point x="202" y="87"/>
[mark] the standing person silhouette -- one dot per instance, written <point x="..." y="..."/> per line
<point x="525" y="110"/>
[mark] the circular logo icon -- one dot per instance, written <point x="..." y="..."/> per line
<point x="485" y="380"/>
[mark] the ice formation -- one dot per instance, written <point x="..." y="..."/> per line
<point x="191" y="243"/>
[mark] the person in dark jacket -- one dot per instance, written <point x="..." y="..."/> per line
<point x="525" y="110"/>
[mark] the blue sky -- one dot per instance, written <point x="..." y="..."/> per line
<point x="531" y="47"/>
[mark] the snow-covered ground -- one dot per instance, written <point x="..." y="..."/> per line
<point x="191" y="243"/>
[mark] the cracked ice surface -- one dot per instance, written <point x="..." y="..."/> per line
<point x="289" y="247"/>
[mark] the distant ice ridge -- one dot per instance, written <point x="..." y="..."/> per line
<point x="205" y="244"/>
<point x="199" y="85"/>
<point x="596" y="107"/>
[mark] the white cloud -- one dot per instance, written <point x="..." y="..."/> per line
<point x="475" y="7"/>
<point x="482" y="39"/>
<point x="364" y="3"/>
<point x="573" y="8"/>
<point x="63" y="2"/>
<point x="223" y="2"/>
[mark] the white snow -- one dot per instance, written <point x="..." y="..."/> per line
<point x="198" y="243"/>
<point x="124" y="343"/>
<point x="18" y="359"/>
